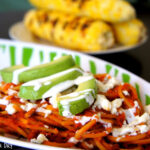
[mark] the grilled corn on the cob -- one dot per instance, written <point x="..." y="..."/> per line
<point x="80" y="33"/>
<point x="129" y="33"/>
<point x="107" y="10"/>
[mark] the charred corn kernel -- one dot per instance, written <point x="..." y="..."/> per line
<point x="107" y="10"/>
<point x="80" y="33"/>
<point x="129" y="33"/>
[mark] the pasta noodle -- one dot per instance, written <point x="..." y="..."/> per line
<point x="96" y="128"/>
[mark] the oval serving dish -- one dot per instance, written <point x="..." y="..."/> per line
<point x="13" y="53"/>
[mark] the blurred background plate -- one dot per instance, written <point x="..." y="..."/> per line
<point x="18" y="32"/>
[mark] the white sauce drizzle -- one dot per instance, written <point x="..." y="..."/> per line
<point x="58" y="88"/>
<point x="16" y="74"/>
<point x="47" y="79"/>
<point x="75" y="94"/>
<point x="82" y="79"/>
<point x="37" y="86"/>
<point x="53" y="100"/>
<point x="88" y="97"/>
<point x="65" y="85"/>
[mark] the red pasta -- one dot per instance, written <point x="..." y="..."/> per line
<point x="59" y="131"/>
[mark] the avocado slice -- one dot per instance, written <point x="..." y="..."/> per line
<point x="7" y="73"/>
<point x="48" y="86"/>
<point x="21" y="74"/>
<point x="81" y="99"/>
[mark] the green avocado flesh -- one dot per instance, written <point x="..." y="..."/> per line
<point x="72" y="105"/>
<point x="48" y="80"/>
<point x="39" y="71"/>
<point x="7" y="73"/>
<point x="27" y="90"/>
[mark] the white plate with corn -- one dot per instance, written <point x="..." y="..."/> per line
<point x="95" y="27"/>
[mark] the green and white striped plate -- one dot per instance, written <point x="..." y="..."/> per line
<point x="13" y="53"/>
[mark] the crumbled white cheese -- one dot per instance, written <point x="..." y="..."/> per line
<point x="105" y="124"/>
<point x="106" y="132"/>
<point x="133" y="127"/>
<point x="116" y="104"/>
<point x="142" y="128"/>
<point x="136" y="104"/>
<point x="125" y="92"/>
<point x="44" y="105"/>
<point x="45" y="111"/>
<point x="140" y="119"/>
<point x="83" y="120"/>
<point x="46" y="126"/>
<point x="102" y="102"/>
<point x="11" y="92"/>
<point x="122" y="131"/>
<point x="10" y="109"/>
<point x="43" y="100"/>
<point x="97" y="117"/>
<point x="130" y="112"/>
<point x="73" y="140"/>
<point x="111" y="83"/>
<point x="118" y="139"/>
<point x="22" y="100"/>
<point x="28" y="106"/>
<point x="4" y="102"/>
<point x="90" y="146"/>
<point x="40" y="139"/>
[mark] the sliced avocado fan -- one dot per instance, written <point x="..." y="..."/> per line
<point x="21" y="74"/>
<point x="48" y="86"/>
<point x="82" y="98"/>
<point x="51" y="79"/>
